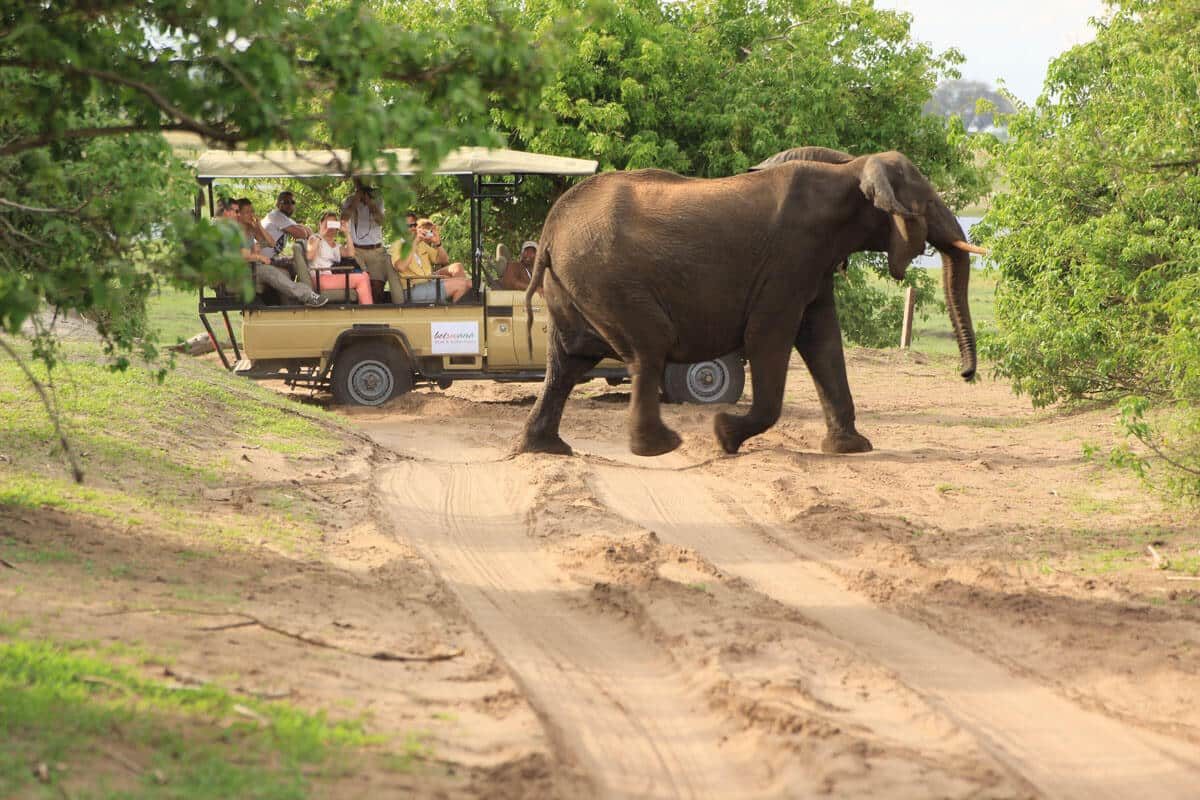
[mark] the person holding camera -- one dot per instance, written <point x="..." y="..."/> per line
<point x="324" y="253"/>
<point x="362" y="219"/>
<point x="260" y="264"/>
<point x="426" y="260"/>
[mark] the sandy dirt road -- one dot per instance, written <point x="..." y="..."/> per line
<point x="785" y="624"/>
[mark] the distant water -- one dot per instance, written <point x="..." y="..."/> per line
<point x="935" y="260"/>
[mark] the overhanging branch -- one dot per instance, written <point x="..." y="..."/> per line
<point x="20" y="145"/>
<point x="186" y="121"/>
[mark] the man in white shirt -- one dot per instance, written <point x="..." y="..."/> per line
<point x="279" y="225"/>
<point x="362" y="219"/>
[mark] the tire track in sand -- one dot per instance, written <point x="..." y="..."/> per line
<point x="613" y="700"/>
<point x="1062" y="749"/>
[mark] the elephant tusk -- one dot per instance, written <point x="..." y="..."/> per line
<point x="970" y="248"/>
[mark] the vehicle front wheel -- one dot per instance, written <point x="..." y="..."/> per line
<point x="370" y="374"/>
<point x="718" y="381"/>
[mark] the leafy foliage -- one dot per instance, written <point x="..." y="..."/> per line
<point x="1098" y="241"/>
<point x="710" y="88"/>
<point x="91" y="198"/>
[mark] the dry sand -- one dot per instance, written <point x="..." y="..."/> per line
<point x="967" y="611"/>
<point x="920" y="621"/>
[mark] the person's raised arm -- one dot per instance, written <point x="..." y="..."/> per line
<point x="312" y="248"/>
<point x="300" y="233"/>
<point x="375" y="206"/>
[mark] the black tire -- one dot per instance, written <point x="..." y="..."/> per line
<point x="370" y="373"/>
<point x="615" y="381"/>
<point x="718" y="381"/>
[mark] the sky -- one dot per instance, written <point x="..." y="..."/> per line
<point x="1010" y="39"/>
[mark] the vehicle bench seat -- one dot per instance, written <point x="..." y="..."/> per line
<point x="300" y="263"/>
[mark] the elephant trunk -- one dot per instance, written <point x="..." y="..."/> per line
<point x="956" y="274"/>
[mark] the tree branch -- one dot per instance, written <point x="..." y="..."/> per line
<point x="38" y="210"/>
<point x="151" y="93"/>
<point x="21" y="145"/>
<point x="1158" y="451"/>
<point x="22" y="234"/>
<point x="51" y="410"/>
<point x="1184" y="163"/>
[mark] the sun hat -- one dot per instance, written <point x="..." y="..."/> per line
<point x="531" y="243"/>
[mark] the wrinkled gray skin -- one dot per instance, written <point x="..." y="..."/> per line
<point x="652" y="267"/>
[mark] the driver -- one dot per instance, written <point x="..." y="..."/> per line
<point x="518" y="274"/>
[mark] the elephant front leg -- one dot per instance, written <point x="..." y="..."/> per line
<point x="819" y="343"/>
<point x="648" y="434"/>
<point x="768" y="374"/>
<point x="563" y="371"/>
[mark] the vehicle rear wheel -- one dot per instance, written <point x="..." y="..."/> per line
<point x="370" y="373"/>
<point x="718" y="381"/>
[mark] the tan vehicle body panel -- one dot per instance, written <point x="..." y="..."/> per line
<point x="296" y="332"/>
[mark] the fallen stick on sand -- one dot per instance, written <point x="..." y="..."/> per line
<point x="247" y="621"/>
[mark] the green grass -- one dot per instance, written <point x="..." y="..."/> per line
<point x="150" y="448"/>
<point x="934" y="335"/>
<point x="62" y="706"/>
<point x="174" y="317"/>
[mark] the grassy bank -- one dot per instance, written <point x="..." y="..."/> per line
<point x="146" y="446"/>
<point x="70" y="715"/>
<point x="155" y="525"/>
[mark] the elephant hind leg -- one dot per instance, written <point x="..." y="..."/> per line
<point x="563" y="371"/>
<point x="648" y="434"/>
<point x="768" y="373"/>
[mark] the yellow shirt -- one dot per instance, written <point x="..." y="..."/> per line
<point x="420" y="262"/>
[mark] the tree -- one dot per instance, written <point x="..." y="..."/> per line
<point x="712" y="87"/>
<point x="92" y="202"/>
<point x="89" y="192"/>
<point x="1098" y="240"/>
<point x="961" y="98"/>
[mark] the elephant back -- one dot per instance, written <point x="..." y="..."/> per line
<point x="826" y="155"/>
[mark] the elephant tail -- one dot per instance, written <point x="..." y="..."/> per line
<point x="535" y="284"/>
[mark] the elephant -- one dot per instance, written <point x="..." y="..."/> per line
<point x="650" y="267"/>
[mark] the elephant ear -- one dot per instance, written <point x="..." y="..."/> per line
<point x="880" y="183"/>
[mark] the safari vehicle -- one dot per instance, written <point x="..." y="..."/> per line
<point x="366" y="355"/>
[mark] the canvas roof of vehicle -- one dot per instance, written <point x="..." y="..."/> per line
<point x="317" y="163"/>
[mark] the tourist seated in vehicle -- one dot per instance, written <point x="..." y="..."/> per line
<point x="253" y="228"/>
<point x="265" y="274"/>
<point x="517" y="274"/>
<point x="427" y="259"/>
<point x="323" y="253"/>
<point x="279" y="225"/>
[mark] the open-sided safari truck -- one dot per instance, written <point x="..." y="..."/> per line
<point x="368" y="354"/>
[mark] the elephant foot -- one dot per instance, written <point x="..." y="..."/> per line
<point x="725" y="428"/>
<point x="851" y="442"/>
<point x="552" y="445"/>
<point x="664" y="440"/>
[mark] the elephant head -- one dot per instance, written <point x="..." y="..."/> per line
<point x="915" y="214"/>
